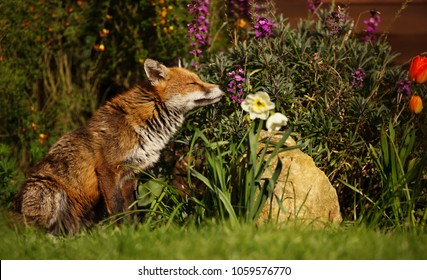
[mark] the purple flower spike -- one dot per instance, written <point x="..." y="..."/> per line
<point x="313" y="5"/>
<point x="235" y="86"/>
<point x="358" y="77"/>
<point x="372" y="27"/>
<point x="241" y="9"/>
<point x="337" y="21"/>
<point x="198" y="29"/>
<point x="263" y="27"/>
<point x="404" y="88"/>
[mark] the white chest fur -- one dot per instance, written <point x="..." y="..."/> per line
<point x="153" y="136"/>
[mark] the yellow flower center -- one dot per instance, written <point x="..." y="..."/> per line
<point x="259" y="105"/>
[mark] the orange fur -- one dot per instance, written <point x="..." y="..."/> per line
<point x="91" y="172"/>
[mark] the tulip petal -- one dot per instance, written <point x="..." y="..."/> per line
<point x="422" y="73"/>
<point x="415" y="104"/>
<point x="418" y="69"/>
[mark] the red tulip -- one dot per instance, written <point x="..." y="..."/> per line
<point x="415" y="104"/>
<point x="418" y="69"/>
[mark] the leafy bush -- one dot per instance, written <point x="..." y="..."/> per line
<point x="9" y="175"/>
<point x="61" y="59"/>
<point x="340" y="93"/>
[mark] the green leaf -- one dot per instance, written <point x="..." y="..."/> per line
<point x="148" y="192"/>
<point x="224" y="197"/>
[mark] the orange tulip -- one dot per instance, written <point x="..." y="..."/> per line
<point x="415" y="104"/>
<point x="418" y="69"/>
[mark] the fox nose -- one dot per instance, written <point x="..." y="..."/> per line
<point x="217" y="90"/>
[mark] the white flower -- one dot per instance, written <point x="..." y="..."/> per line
<point x="257" y="105"/>
<point x="276" y="121"/>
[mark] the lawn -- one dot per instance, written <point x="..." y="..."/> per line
<point x="213" y="241"/>
<point x="331" y="82"/>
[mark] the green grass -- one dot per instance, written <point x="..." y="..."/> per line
<point x="213" y="242"/>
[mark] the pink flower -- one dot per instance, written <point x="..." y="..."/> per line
<point x="263" y="27"/>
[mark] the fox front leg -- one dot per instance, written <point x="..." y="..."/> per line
<point x="128" y="191"/>
<point x="109" y="184"/>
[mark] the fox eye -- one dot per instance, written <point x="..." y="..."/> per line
<point x="193" y="83"/>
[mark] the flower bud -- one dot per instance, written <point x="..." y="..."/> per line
<point x="415" y="104"/>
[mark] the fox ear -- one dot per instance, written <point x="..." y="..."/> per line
<point x="155" y="71"/>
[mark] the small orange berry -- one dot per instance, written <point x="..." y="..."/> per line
<point x="104" y="32"/>
<point x="26" y="23"/>
<point x="42" y="137"/>
<point x="241" y="23"/>
<point x="164" y="13"/>
<point x="99" y="47"/>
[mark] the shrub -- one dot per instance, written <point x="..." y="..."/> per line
<point x="9" y="175"/>
<point x="340" y="92"/>
<point x="61" y="59"/>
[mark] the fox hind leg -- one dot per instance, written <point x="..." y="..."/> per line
<point x="108" y="183"/>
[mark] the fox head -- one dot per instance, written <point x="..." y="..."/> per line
<point x="180" y="88"/>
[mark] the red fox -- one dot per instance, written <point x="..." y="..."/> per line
<point x="93" y="169"/>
